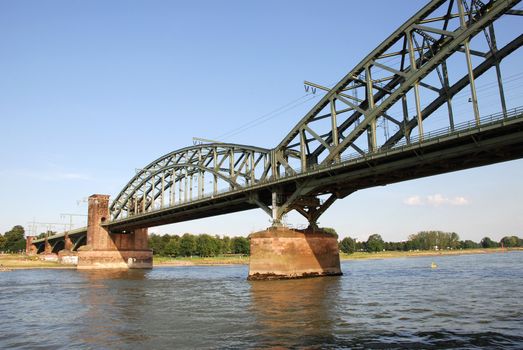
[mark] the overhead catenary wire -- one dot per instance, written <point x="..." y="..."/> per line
<point x="268" y="116"/>
<point x="297" y="102"/>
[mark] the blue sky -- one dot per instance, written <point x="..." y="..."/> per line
<point x="92" y="90"/>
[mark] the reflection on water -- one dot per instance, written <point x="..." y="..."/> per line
<point x="295" y="311"/>
<point x="112" y="303"/>
<point x="467" y="302"/>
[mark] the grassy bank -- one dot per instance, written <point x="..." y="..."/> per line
<point x="230" y="260"/>
<point x="21" y="261"/>
<point x="216" y="260"/>
<point x="420" y="253"/>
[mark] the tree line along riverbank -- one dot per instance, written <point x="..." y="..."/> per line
<point x="204" y="249"/>
<point x="22" y="261"/>
<point x="207" y="246"/>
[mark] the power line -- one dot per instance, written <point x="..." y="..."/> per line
<point x="255" y="122"/>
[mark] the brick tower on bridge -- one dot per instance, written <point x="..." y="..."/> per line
<point x="106" y="250"/>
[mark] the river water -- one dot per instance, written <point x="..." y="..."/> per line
<point x="468" y="301"/>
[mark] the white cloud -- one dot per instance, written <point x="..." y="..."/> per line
<point x="459" y="201"/>
<point x="435" y="200"/>
<point x="413" y="201"/>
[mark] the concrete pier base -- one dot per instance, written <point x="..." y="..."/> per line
<point x="67" y="257"/>
<point x="114" y="259"/>
<point x="283" y="253"/>
<point x="107" y="250"/>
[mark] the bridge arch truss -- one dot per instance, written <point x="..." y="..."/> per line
<point x="409" y="80"/>
<point x="191" y="173"/>
<point x="406" y="86"/>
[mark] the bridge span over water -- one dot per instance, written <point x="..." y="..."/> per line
<point x="405" y="86"/>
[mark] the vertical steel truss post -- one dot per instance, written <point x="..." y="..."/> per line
<point x="446" y="87"/>
<point x="469" y="64"/>
<point x="155" y="186"/>
<point x="313" y="143"/>
<point x="494" y="50"/>
<point x="370" y="101"/>
<point x="276" y="212"/>
<point x="414" y="68"/>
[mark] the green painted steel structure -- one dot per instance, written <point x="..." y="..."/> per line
<point x="334" y="149"/>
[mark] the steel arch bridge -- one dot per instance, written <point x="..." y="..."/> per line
<point x="409" y="80"/>
<point x="176" y="177"/>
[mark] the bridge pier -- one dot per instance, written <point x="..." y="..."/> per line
<point x="30" y="248"/>
<point x="106" y="250"/>
<point x="283" y="253"/>
<point x="48" y="249"/>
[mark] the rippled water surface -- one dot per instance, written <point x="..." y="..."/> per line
<point x="470" y="301"/>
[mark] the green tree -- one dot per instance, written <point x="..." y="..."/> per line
<point x="330" y="231"/>
<point x="454" y="240"/>
<point x="226" y="245"/>
<point x="374" y="243"/>
<point x="187" y="245"/>
<point x="157" y="244"/>
<point x="360" y="246"/>
<point x="486" y="242"/>
<point x="241" y="245"/>
<point x="348" y="245"/>
<point x="14" y="240"/>
<point x="468" y="244"/>
<point x="206" y="245"/>
<point x="510" y="241"/>
<point x="172" y="248"/>
<point x="427" y="240"/>
<point x="393" y="246"/>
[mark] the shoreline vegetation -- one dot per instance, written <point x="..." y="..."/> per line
<point x="204" y="249"/>
<point x="21" y="261"/>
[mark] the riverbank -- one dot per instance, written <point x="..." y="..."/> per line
<point x="243" y="260"/>
<point x="21" y="261"/>
<point x="422" y="253"/>
<point x="199" y="261"/>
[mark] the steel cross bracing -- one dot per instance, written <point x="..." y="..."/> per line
<point x="182" y="176"/>
<point x="335" y="149"/>
<point x="421" y="47"/>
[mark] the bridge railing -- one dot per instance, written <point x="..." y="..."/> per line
<point x="463" y="126"/>
<point x="433" y="135"/>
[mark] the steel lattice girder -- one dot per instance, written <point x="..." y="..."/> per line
<point x="227" y="162"/>
<point x="416" y="63"/>
<point x="319" y="152"/>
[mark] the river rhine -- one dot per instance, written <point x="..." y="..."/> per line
<point x="468" y="301"/>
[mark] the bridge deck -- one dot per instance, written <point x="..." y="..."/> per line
<point x="498" y="138"/>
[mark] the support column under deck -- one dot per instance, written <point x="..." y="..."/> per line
<point x="106" y="250"/>
<point x="30" y="248"/>
<point x="282" y="253"/>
